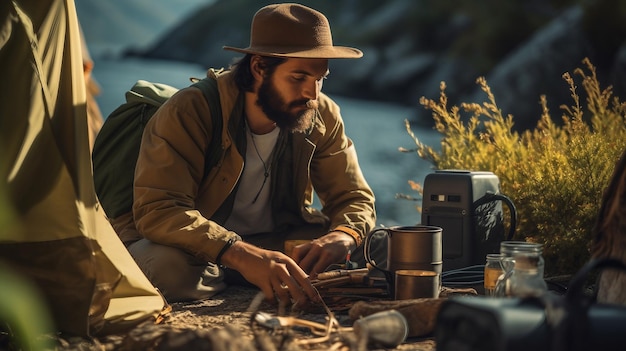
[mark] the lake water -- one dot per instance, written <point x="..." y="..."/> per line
<point x="377" y="130"/>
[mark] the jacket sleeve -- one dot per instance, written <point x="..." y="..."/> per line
<point x="345" y="195"/>
<point x="169" y="170"/>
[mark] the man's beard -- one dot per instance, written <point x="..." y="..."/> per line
<point x="278" y="110"/>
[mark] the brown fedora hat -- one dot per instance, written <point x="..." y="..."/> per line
<point x="293" y="30"/>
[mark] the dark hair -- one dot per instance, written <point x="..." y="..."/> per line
<point x="241" y="70"/>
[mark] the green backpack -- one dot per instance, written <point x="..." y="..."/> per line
<point x="116" y="147"/>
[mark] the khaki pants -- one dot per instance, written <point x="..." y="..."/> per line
<point x="182" y="277"/>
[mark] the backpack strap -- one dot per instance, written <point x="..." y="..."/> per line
<point x="208" y="86"/>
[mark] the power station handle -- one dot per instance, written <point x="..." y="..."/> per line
<point x="489" y="197"/>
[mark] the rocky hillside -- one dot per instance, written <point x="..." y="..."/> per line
<point x="522" y="47"/>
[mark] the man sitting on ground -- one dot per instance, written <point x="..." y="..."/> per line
<point x="282" y="140"/>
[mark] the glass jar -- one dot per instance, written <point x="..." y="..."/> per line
<point x="523" y="266"/>
<point x="493" y="270"/>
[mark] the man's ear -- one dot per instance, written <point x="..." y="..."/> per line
<point x="257" y="68"/>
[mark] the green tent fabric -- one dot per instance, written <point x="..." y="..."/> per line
<point x="52" y="229"/>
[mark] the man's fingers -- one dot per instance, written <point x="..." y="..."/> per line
<point x="303" y="284"/>
<point x="319" y="267"/>
<point x="312" y="255"/>
<point x="268" y="292"/>
<point x="286" y="288"/>
<point x="297" y="291"/>
<point x="282" y="294"/>
<point x="317" y="260"/>
<point x="300" y="251"/>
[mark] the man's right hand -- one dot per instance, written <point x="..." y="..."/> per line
<point x="276" y="274"/>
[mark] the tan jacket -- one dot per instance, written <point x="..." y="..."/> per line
<point x="174" y="201"/>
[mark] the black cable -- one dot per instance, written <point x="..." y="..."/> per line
<point x="490" y="197"/>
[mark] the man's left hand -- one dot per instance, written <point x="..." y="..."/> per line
<point x="315" y="256"/>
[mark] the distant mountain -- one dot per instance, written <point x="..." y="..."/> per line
<point x="522" y="47"/>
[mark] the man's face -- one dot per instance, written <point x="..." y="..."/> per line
<point x="289" y="95"/>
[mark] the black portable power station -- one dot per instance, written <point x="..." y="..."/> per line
<point x="468" y="206"/>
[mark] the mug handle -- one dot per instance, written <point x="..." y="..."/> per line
<point x="366" y="248"/>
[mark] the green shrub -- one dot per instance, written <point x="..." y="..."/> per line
<point x="555" y="174"/>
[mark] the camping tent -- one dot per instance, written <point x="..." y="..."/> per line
<point x="52" y="229"/>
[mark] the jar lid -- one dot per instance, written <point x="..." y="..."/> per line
<point x="508" y="248"/>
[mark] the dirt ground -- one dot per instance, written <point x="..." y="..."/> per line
<point x="210" y="313"/>
<point x="224" y="323"/>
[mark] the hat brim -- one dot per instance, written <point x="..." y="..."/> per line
<point x="322" y="52"/>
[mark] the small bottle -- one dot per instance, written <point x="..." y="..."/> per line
<point x="493" y="270"/>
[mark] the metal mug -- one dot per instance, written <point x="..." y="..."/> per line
<point x="416" y="247"/>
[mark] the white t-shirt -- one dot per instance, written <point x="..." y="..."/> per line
<point x="252" y="210"/>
